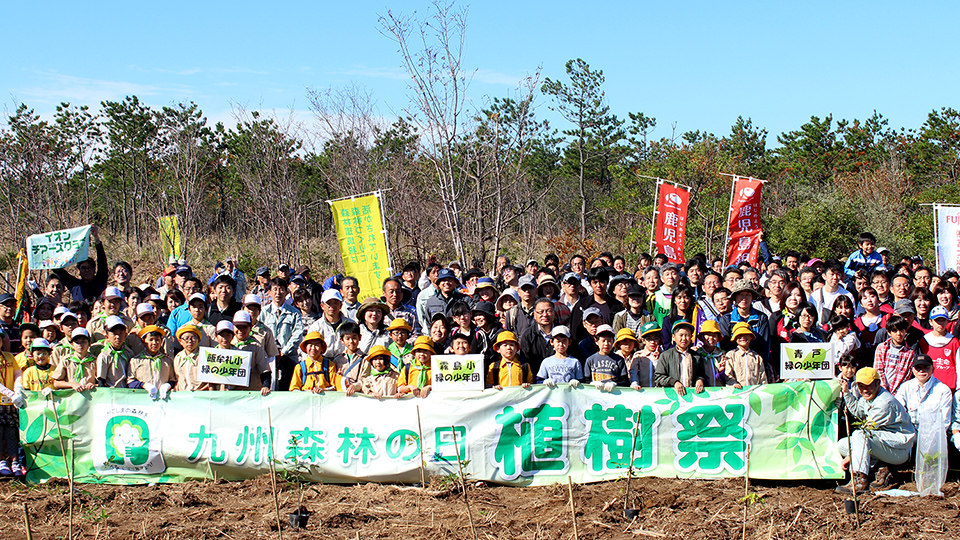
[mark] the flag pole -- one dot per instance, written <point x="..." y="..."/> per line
<point x="656" y="210"/>
<point x="726" y="238"/>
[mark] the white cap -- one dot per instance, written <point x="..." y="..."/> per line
<point x="225" y="325"/>
<point x="331" y="294"/>
<point x="144" y="308"/>
<point x="80" y="331"/>
<point x="197" y="296"/>
<point x="47" y="324"/>
<point x="113" y="321"/>
<point x="251" y="299"/>
<point x="60" y="310"/>
<point x="112" y="292"/>
<point x="560" y="330"/>
<point x="70" y="314"/>
<point x="242" y="317"/>
<point x="605" y="328"/>
<point x="155" y="297"/>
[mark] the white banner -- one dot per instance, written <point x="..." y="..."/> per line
<point x="224" y="366"/>
<point x="58" y="249"/>
<point x="948" y="237"/>
<point x="806" y="361"/>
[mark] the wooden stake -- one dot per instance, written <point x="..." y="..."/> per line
<point x="273" y="476"/>
<point x="463" y="483"/>
<point x="63" y="452"/>
<point x="26" y="521"/>
<point x="853" y="483"/>
<point x="573" y="509"/>
<point x="423" y="472"/>
<point x="626" y="496"/>
<point x="746" y="491"/>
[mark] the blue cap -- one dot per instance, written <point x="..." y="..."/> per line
<point x="447" y="273"/>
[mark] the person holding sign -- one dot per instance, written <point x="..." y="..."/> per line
<point x="93" y="274"/>
<point x="78" y="369"/>
<point x="383" y="377"/>
<point x="244" y="341"/>
<point x="415" y="376"/>
<point x="315" y="372"/>
<point x="891" y="435"/>
<point x="260" y="376"/>
<point x="152" y="370"/>
<point x="744" y="367"/>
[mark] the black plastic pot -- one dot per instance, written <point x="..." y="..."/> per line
<point x="298" y="520"/>
<point x="631" y="513"/>
<point x="850" y="506"/>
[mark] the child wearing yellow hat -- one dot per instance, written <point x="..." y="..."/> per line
<point x="509" y="370"/>
<point x="382" y="379"/>
<point x="185" y="361"/>
<point x="710" y="337"/>
<point x="401" y="352"/>
<point x="744" y="367"/>
<point x="152" y="370"/>
<point x="415" y="376"/>
<point x="315" y="372"/>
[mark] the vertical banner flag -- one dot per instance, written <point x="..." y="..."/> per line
<point x="743" y="242"/>
<point x="170" y="236"/>
<point x="23" y="273"/>
<point x="948" y="237"/>
<point x="58" y="249"/>
<point x="363" y="241"/>
<point x="672" y="221"/>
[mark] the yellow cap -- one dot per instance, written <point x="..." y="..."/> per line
<point x="503" y="337"/>
<point x="625" y="334"/>
<point x="378" y="350"/>
<point x="867" y="375"/>
<point x="151" y="328"/>
<point x="399" y="324"/>
<point x="708" y="327"/>
<point x="188" y="328"/>
<point x="423" y="343"/>
<point x="741" y="329"/>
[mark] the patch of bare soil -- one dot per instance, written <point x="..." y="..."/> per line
<point x="668" y="508"/>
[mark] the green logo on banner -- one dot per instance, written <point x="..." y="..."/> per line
<point x="128" y="441"/>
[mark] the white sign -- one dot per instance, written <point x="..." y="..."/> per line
<point x="127" y="439"/>
<point x="806" y="361"/>
<point x="224" y="366"/>
<point x="456" y="373"/>
<point x="58" y="249"/>
<point x="948" y="237"/>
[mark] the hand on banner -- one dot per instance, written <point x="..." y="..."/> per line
<point x="550" y="383"/>
<point x="264" y="391"/>
<point x="574" y="383"/>
<point x="636" y="387"/>
<point x="609" y="386"/>
<point x="18" y="401"/>
<point x="164" y="390"/>
<point x="598" y="385"/>
<point x="152" y="391"/>
<point x="698" y="388"/>
<point x="681" y="391"/>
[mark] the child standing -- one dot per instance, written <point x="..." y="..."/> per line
<point x="37" y="377"/>
<point x="713" y="357"/>
<point x="351" y="363"/>
<point x="744" y="367"/>
<point x="415" y="376"/>
<point x="315" y="372"/>
<point x="382" y="380"/>
<point x="152" y="370"/>
<point x="77" y="369"/>
<point x="509" y="370"/>
<point x="28" y="332"/>
<point x="401" y="352"/>
<point x="941" y="347"/>
<point x="893" y="358"/>
<point x="185" y="362"/>
<point x="560" y="368"/>
<point x="113" y="362"/>
<point x="605" y="369"/>
<point x="10" y="401"/>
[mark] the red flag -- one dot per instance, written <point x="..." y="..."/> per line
<point x="744" y="233"/>
<point x="671" y="221"/>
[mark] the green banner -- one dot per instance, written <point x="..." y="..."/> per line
<point x="515" y="436"/>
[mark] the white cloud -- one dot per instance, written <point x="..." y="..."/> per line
<point x="58" y="87"/>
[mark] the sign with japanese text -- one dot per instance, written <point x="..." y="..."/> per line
<point x="520" y="436"/>
<point x="170" y="236"/>
<point x="363" y="242"/>
<point x="948" y="237"/>
<point x="671" y="221"/>
<point x="807" y="361"/>
<point x="456" y="373"/>
<point x="743" y="237"/>
<point x="58" y="249"/>
<point x="224" y="366"/>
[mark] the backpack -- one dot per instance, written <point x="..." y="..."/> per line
<point x="325" y="367"/>
<point x="525" y="372"/>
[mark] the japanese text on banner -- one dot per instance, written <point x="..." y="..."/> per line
<point x="363" y="243"/>
<point x="170" y="236"/>
<point x="58" y="249"/>
<point x="744" y="230"/>
<point x="672" y="221"/>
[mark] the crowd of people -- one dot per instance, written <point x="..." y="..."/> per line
<point x="599" y="321"/>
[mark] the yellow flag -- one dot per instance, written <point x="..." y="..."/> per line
<point x="169" y="236"/>
<point x="363" y="243"/>
<point x="23" y="272"/>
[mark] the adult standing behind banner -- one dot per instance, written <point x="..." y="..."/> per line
<point x="93" y="274"/>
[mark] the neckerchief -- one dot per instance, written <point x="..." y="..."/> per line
<point x="119" y="357"/>
<point x="423" y="379"/>
<point x="191" y="358"/>
<point x="245" y="342"/>
<point x="81" y="364"/>
<point x="379" y="373"/>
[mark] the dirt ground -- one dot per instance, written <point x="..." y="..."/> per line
<point x="669" y="508"/>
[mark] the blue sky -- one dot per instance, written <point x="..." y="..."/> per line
<point x="695" y="65"/>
